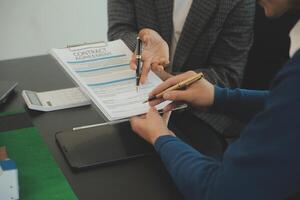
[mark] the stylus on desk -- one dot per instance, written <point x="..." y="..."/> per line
<point x="117" y="121"/>
<point x="101" y="124"/>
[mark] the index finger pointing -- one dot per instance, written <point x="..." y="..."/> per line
<point x="133" y="62"/>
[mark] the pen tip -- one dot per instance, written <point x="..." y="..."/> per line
<point x="137" y="88"/>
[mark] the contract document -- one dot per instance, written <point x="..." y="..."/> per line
<point x="102" y="71"/>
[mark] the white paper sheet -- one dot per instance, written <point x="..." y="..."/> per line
<point x="102" y="71"/>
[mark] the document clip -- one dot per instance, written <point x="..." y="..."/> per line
<point x="74" y="47"/>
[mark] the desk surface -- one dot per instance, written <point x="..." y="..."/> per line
<point x="143" y="178"/>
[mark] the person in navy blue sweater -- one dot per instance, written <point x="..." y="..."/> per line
<point x="264" y="163"/>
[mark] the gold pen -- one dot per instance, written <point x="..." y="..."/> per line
<point x="178" y="86"/>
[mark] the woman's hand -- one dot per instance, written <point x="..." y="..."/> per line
<point x="151" y="126"/>
<point x="155" y="53"/>
<point x="200" y="94"/>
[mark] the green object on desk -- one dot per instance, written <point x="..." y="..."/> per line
<point x="12" y="112"/>
<point x="39" y="176"/>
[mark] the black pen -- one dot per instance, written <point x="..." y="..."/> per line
<point x="138" y="62"/>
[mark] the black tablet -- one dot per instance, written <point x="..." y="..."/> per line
<point x="6" y="87"/>
<point x="101" y="145"/>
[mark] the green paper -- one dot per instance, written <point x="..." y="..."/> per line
<point x="39" y="176"/>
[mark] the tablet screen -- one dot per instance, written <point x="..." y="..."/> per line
<point x="102" y="145"/>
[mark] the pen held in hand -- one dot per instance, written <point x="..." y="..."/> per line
<point x="138" y="62"/>
<point x="181" y="85"/>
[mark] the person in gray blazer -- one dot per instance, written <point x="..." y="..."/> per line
<point x="211" y="36"/>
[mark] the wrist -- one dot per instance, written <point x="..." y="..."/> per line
<point x="158" y="135"/>
<point x="219" y="99"/>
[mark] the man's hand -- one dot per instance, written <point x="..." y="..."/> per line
<point x="200" y="94"/>
<point x="155" y="53"/>
<point x="151" y="126"/>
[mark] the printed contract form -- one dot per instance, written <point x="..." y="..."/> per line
<point x="102" y="71"/>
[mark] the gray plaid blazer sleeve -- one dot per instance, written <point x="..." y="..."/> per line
<point x="122" y="21"/>
<point x="229" y="55"/>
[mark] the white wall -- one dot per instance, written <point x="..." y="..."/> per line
<point x="32" y="27"/>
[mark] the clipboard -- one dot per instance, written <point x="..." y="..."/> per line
<point x="105" y="77"/>
<point x="101" y="145"/>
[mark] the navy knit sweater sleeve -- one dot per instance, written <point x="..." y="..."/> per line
<point x="239" y="103"/>
<point x="263" y="163"/>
